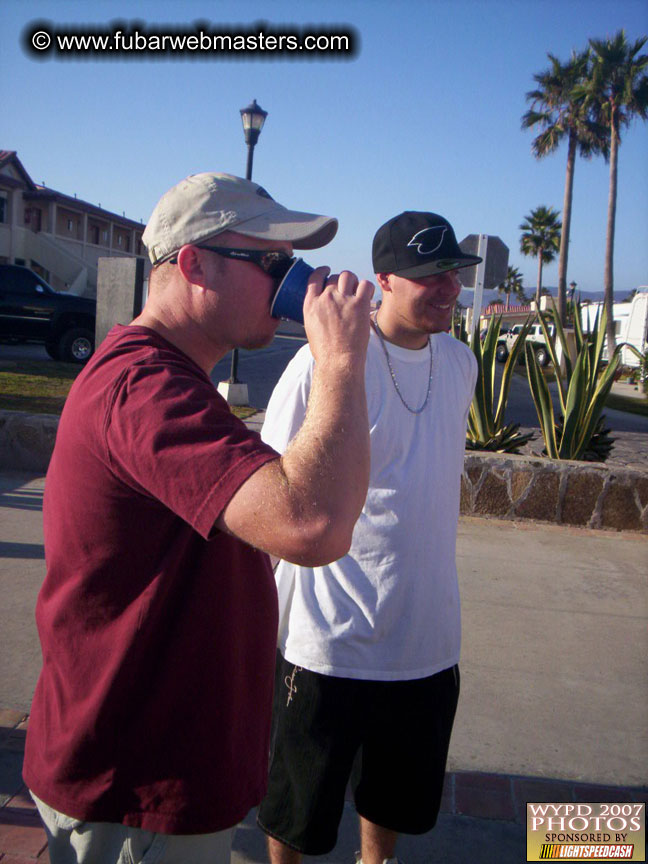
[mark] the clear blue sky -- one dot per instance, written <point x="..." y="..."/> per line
<point x="426" y="116"/>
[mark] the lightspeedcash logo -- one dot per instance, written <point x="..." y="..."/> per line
<point x="595" y="832"/>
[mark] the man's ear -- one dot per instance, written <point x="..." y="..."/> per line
<point x="190" y="265"/>
<point x="383" y="282"/>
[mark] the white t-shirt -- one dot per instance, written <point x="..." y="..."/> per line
<point x="389" y="610"/>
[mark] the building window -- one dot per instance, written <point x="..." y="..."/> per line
<point x="3" y="208"/>
<point x="119" y="240"/>
<point x="70" y="225"/>
<point x="104" y="236"/>
<point x="33" y="218"/>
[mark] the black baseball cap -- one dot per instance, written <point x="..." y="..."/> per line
<point x="418" y="244"/>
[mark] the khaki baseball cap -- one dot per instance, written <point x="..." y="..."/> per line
<point x="203" y="205"/>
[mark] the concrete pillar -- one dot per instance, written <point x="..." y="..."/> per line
<point x="51" y="217"/>
<point x="119" y="293"/>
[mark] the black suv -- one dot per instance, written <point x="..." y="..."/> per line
<point x="31" y="310"/>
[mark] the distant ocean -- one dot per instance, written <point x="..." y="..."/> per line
<point x="466" y="297"/>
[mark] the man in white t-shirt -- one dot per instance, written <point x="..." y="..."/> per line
<point x="367" y="679"/>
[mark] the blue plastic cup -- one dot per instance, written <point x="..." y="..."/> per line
<point x="288" y="301"/>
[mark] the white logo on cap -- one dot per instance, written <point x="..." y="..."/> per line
<point x="427" y="237"/>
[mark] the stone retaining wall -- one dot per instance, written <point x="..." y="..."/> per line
<point x="506" y="487"/>
<point x="26" y="440"/>
<point x="588" y="494"/>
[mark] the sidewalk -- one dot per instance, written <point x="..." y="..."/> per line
<point x="554" y="693"/>
<point x="633" y="391"/>
<point x="482" y="819"/>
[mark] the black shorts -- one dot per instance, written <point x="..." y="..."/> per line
<point x="389" y="738"/>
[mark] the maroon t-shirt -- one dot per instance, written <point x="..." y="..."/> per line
<point x="158" y="631"/>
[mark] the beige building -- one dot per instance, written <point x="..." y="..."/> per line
<point x="58" y="236"/>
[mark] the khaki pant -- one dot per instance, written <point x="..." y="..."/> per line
<point x="71" y="841"/>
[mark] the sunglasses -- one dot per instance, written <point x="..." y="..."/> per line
<point x="275" y="264"/>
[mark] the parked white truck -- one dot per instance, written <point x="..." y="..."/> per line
<point x="536" y="336"/>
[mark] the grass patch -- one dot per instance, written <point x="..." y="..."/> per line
<point x="42" y="386"/>
<point x="243" y="411"/>
<point x="35" y="386"/>
<point x="627" y="403"/>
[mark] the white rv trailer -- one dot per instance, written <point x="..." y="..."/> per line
<point x="630" y="323"/>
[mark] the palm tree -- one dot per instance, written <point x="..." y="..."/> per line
<point x="541" y="238"/>
<point x="559" y="115"/>
<point x="618" y="90"/>
<point x="511" y="285"/>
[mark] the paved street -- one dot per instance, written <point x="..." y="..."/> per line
<point x="520" y="408"/>
<point x="261" y="369"/>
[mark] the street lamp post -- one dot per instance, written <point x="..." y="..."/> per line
<point x="572" y="288"/>
<point x="253" y="118"/>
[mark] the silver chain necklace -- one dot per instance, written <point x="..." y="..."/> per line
<point x="381" y="337"/>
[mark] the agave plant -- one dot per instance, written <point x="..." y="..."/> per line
<point x="583" y="387"/>
<point x="486" y="427"/>
<point x="643" y="370"/>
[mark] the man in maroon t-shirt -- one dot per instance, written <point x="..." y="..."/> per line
<point x="149" y="731"/>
